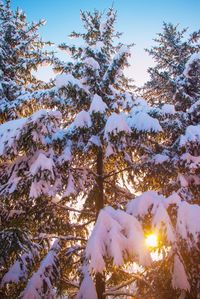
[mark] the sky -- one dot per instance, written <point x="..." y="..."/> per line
<point x="139" y="20"/>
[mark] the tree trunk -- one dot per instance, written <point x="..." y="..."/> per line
<point x="100" y="197"/>
<point x="100" y="279"/>
<point x="100" y="285"/>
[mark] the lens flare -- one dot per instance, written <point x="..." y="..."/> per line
<point x="151" y="240"/>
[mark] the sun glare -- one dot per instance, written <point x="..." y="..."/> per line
<point x="152" y="240"/>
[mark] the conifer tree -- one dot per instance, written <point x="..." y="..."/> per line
<point x="176" y="159"/>
<point x="21" y="53"/>
<point x="172" y="168"/>
<point x="170" y="53"/>
<point x="105" y="131"/>
<point x="30" y="170"/>
<point x="179" y="120"/>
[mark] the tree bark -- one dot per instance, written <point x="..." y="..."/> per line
<point x="100" y="195"/>
<point x="100" y="285"/>
<point x="100" y="278"/>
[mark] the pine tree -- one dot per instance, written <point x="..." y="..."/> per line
<point x="111" y="147"/>
<point x="188" y="84"/>
<point x="180" y="119"/>
<point x="170" y="53"/>
<point x="105" y="132"/>
<point x="30" y="168"/>
<point x="176" y="159"/>
<point x="21" y="52"/>
<point x="29" y="186"/>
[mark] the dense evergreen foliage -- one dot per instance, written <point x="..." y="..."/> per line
<point x="88" y="169"/>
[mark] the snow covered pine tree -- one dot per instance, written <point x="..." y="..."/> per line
<point x="179" y="118"/>
<point x="170" y="53"/>
<point x="176" y="158"/>
<point x="172" y="168"/>
<point x="104" y="136"/>
<point x="21" y="53"/>
<point x="29" y="169"/>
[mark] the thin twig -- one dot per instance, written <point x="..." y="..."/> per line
<point x="115" y="294"/>
<point x="117" y="172"/>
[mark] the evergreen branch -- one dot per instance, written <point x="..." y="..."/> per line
<point x="113" y="173"/>
<point x="72" y="283"/>
<point x="63" y="238"/>
<point x="74" y="210"/>
<point x="128" y="282"/>
<point x="115" y="294"/>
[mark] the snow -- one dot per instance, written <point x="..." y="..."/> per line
<point x="44" y="113"/>
<point x="65" y="155"/>
<point x="115" y="124"/>
<point x="97" y="47"/>
<point x="40" y="187"/>
<point x="20" y="269"/>
<point x="91" y="63"/>
<point x="14" y="274"/>
<point x="34" y="288"/>
<point x="161" y="217"/>
<point x="42" y="163"/>
<point x="124" y="49"/>
<point x="188" y="220"/>
<point x="139" y="108"/>
<point x="64" y="80"/>
<point x="140" y="205"/>
<point x="82" y="120"/>
<point x="141" y="102"/>
<point x="13" y="183"/>
<point x="187" y="214"/>
<point x="70" y="190"/>
<point x="183" y="181"/>
<point x="194" y="57"/>
<point x="95" y="140"/>
<point x="151" y="202"/>
<point x="179" y="276"/>
<point x="192" y="134"/>
<point x="118" y="235"/>
<point x="115" y="233"/>
<point x="140" y="105"/>
<point x="193" y="161"/>
<point x="160" y="158"/>
<point x="97" y="105"/>
<point x="173" y="199"/>
<point x="168" y="109"/>
<point x="109" y="150"/>
<point x="57" y="198"/>
<point x="102" y="28"/>
<point x="128" y="100"/>
<point x="143" y="122"/>
<point x="11" y="131"/>
<point x="87" y="289"/>
<point x="195" y="107"/>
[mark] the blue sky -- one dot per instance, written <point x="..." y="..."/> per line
<point x="139" y="20"/>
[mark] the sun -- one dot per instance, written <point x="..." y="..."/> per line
<point x="151" y="240"/>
